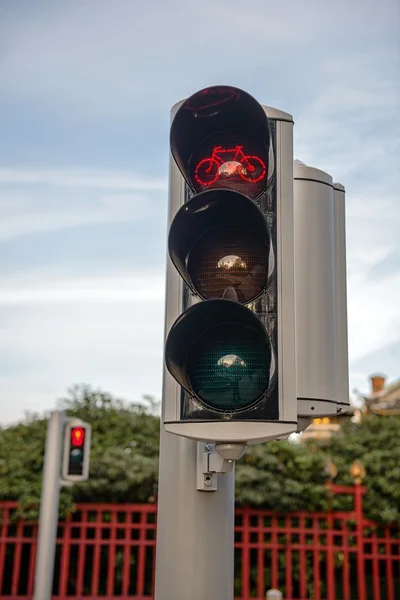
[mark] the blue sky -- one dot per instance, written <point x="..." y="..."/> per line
<point x="86" y="90"/>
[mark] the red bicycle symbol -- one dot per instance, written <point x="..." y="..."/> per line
<point x="250" y="168"/>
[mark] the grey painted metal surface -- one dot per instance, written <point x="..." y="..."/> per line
<point x="286" y="269"/>
<point x="321" y="307"/>
<point x="342" y="353"/>
<point x="315" y="291"/>
<point x="245" y="431"/>
<point x="49" y="502"/>
<point x="195" y="529"/>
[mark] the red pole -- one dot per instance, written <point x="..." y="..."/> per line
<point x="260" y="557"/>
<point x="358" y="507"/>
<point x="246" y="554"/>
<point x="330" y="558"/>
<point x="17" y="559"/>
<point x="5" y="519"/>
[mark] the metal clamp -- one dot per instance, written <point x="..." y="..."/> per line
<point x="213" y="459"/>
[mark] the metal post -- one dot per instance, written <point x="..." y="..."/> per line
<point x="361" y="571"/>
<point x="49" y="508"/>
<point x="195" y="529"/>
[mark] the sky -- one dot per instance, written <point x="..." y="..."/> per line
<point x="86" y="91"/>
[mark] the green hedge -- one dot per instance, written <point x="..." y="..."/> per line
<point x="124" y="461"/>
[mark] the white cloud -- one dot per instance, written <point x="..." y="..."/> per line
<point x="374" y="314"/>
<point x="43" y="219"/>
<point x="109" y="58"/>
<point x="38" y="201"/>
<point x="82" y="178"/>
<point x="45" y="287"/>
<point x="114" y="346"/>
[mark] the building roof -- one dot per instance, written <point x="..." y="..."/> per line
<point x="385" y="401"/>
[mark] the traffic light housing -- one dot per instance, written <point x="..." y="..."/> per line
<point x="321" y="297"/>
<point x="77" y="440"/>
<point x="230" y="281"/>
<point x="341" y="318"/>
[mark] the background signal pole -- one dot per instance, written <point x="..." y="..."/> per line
<point x="49" y="502"/>
<point x="70" y="437"/>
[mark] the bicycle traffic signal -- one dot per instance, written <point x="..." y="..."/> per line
<point x="77" y="437"/>
<point x="230" y="279"/>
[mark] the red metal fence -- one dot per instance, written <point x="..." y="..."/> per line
<point x="106" y="551"/>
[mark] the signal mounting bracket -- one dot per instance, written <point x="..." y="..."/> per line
<point x="213" y="459"/>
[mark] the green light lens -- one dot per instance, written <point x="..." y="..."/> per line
<point x="75" y="466"/>
<point x="228" y="368"/>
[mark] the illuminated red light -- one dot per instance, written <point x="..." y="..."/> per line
<point x="77" y="436"/>
<point x="229" y="163"/>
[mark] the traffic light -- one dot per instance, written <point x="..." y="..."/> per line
<point x="321" y="307"/>
<point x="230" y="344"/>
<point x="77" y="437"/>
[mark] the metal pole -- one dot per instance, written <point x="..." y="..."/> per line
<point x="195" y="529"/>
<point x="49" y="508"/>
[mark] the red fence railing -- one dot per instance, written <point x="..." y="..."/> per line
<point x="107" y="551"/>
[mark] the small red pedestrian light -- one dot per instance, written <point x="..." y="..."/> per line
<point x="77" y="436"/>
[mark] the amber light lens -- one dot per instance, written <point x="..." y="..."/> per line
<point x="230" y="262"/>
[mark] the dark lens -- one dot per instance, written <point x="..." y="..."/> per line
<point x="75" y="461"/>
<point x="229" y="262"/>
<point x="228" y="368"/>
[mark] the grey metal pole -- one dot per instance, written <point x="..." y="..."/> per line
<point x="195" y="529"/>
<point x="49" y="508"/>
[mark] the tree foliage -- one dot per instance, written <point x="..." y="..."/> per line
<point x="124" y="461"/>
<point x="375" y="442"/>
<point x="282" y="476"/>
<point x="285" y="477"/>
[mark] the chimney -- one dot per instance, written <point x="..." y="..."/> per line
<point x="377" y="384"/>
